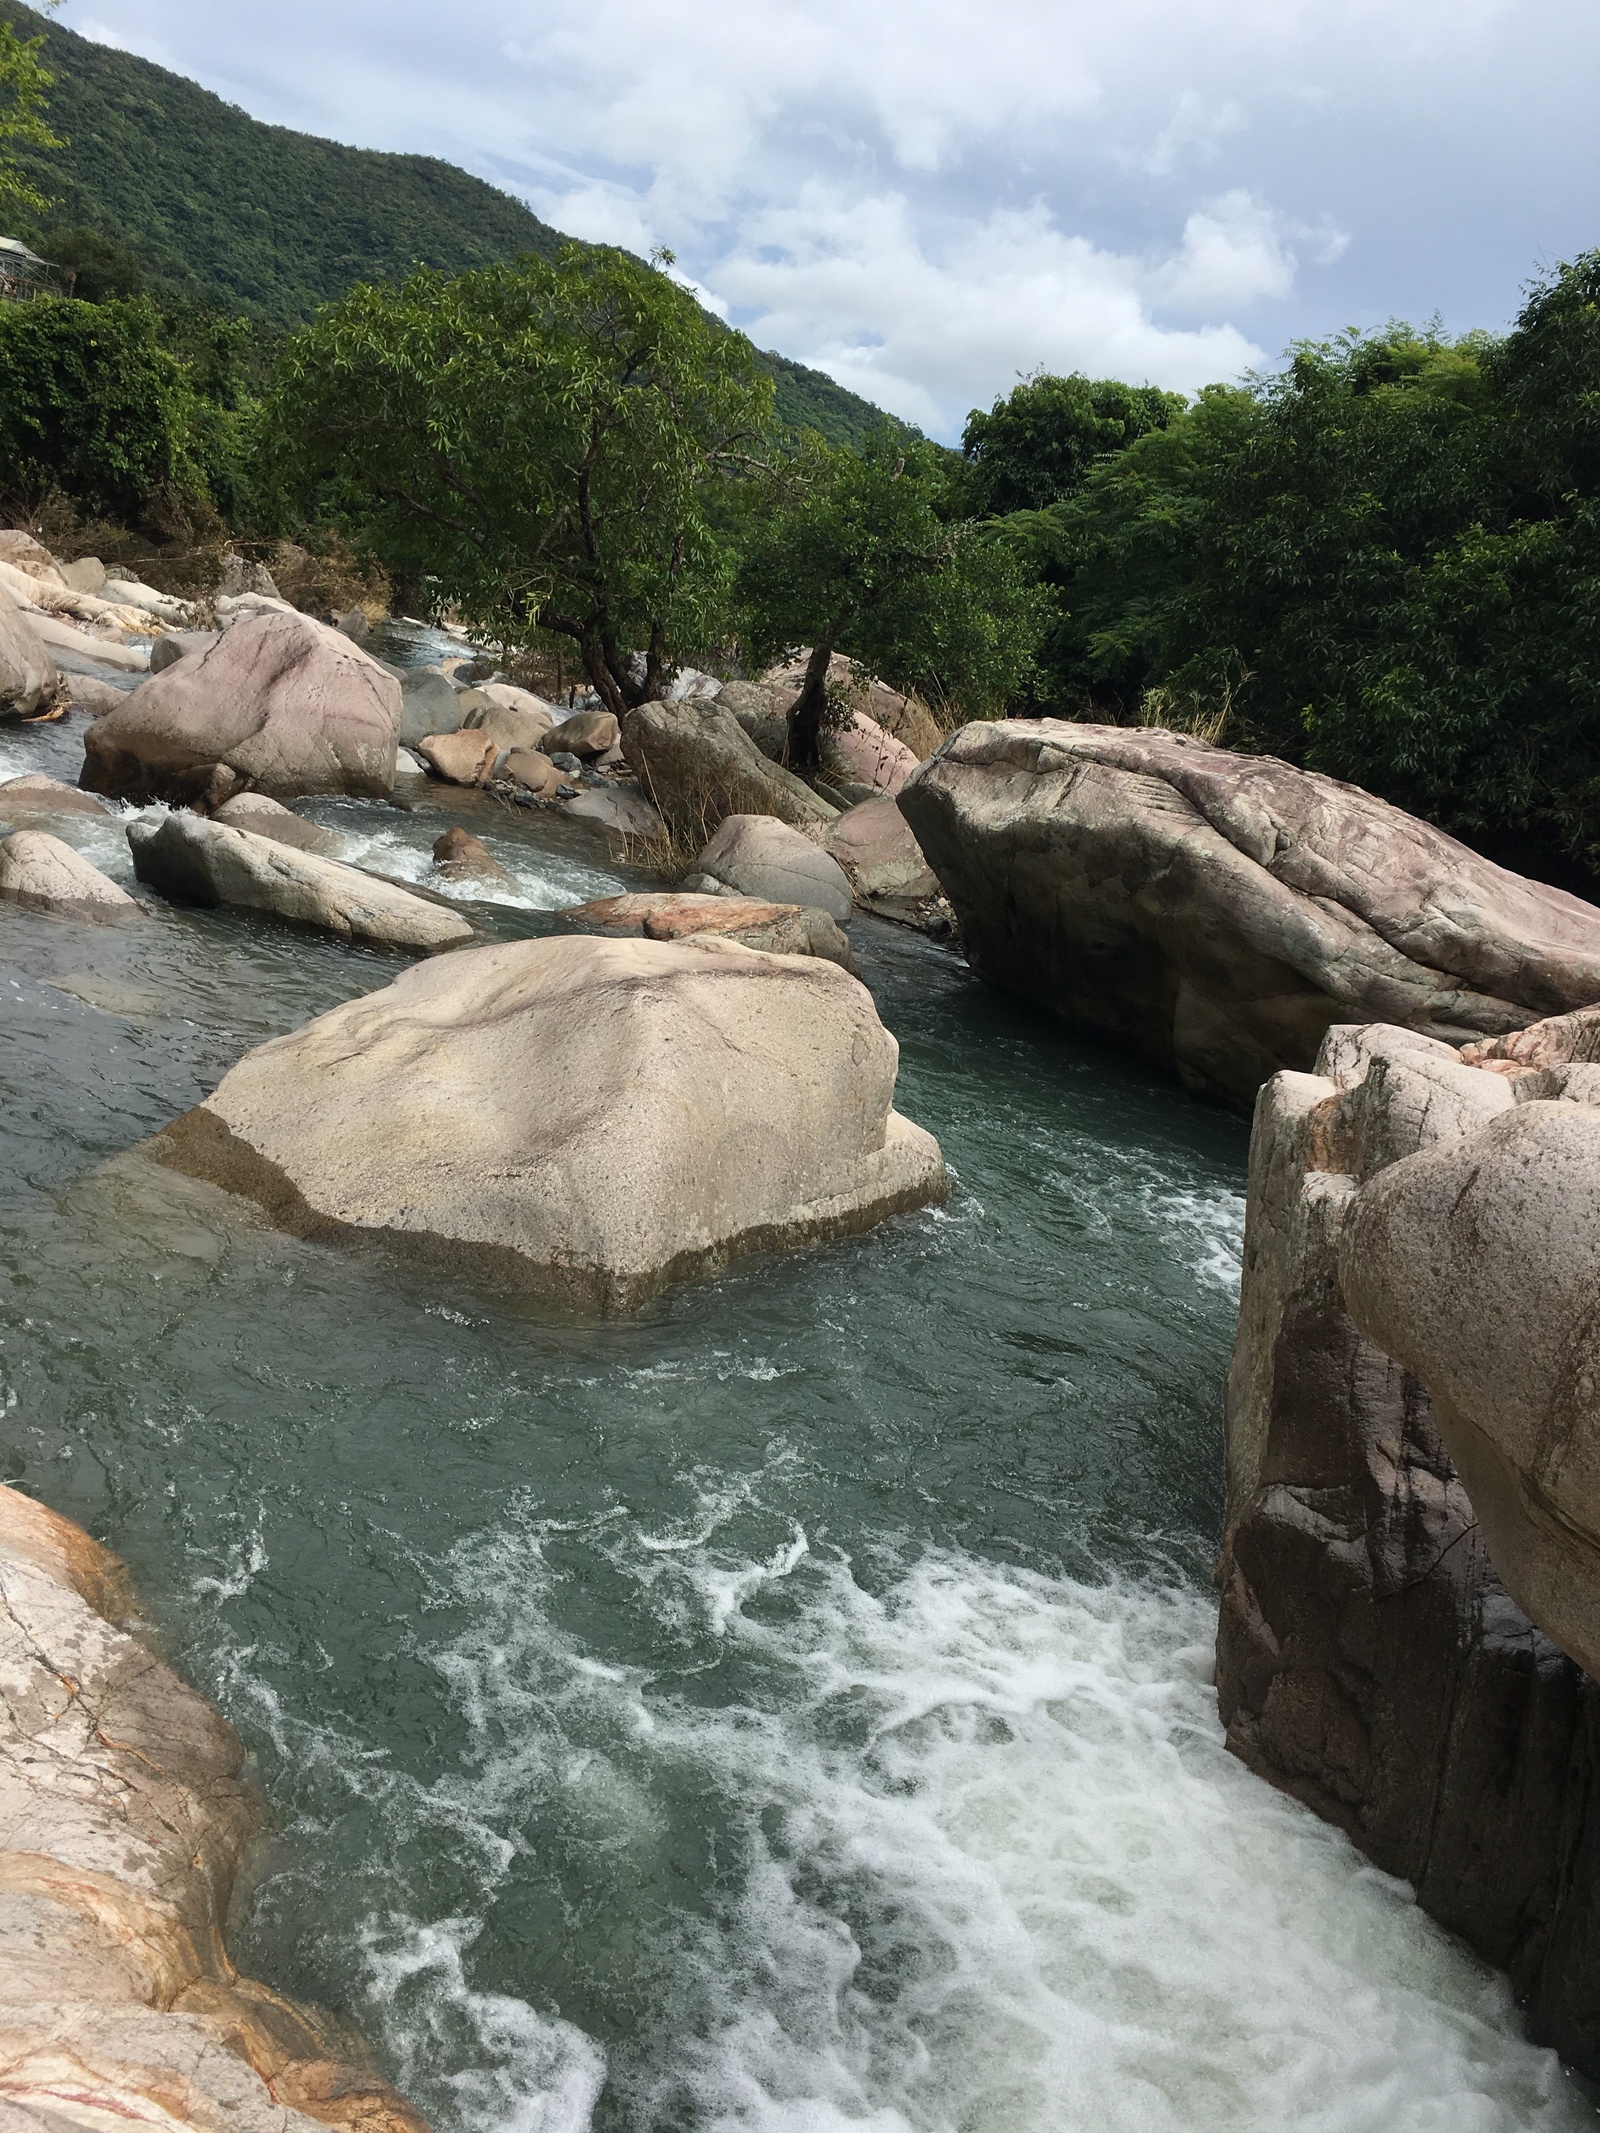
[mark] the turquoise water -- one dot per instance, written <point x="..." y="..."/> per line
<point x="786" y="1709"/>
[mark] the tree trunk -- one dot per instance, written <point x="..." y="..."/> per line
<point x="804" y="749"/>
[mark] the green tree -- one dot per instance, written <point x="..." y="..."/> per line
<point x="24" y="79"/>
<point x="1036" y="445"/>
<point x="94" y="403"/>
<point x="859" y="553"/>
<point x="540" y="440"/>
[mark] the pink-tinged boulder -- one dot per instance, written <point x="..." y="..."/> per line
<point x="36" y="794"/>
<point x="126" y="1811"/>
<point x="533" y="771"/>
<point x="1218" y="912"/>
<point x="463" y="758"/>
<point x="40" y="871"/>
<point x="874" y="844"/>
<point x="681" y="915"/>
<point x="588" y="1119"/>
<point x="863" y="754"/>
<point x="280" y="704"/>
<point x="759" y="856"/>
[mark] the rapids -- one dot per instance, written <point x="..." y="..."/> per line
<point x="787" y="1709"/>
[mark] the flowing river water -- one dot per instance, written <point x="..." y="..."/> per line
<point x="787" y="1709"/>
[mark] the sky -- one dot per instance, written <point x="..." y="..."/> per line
<point x="929" y="199"/>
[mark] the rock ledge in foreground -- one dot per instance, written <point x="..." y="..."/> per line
<point x="587" y="1119"/>
<point x="125" y="1812"/>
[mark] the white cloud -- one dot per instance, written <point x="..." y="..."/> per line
<point x="930" y="330"/>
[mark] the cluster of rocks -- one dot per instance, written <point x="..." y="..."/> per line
<point x="125" y="1812"/>
<point x="1410" y="1619"/>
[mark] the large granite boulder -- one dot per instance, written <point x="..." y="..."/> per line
<point x="861" y="753"/>
<point x="280" y="705"/>
<point x="195" y="861"/>
<point x="461" y="758"/>
<point x="429" y="703"/>
<point x="126" y="1808"/>
<point x="511" y="718"/>
<point x="698" y="765"/>
<point x="1384" y="1494"/>
<point x="681" y="915"/>
<point x="36" y="794"/>
<point x="586" y="734"/>
<point x="759" y="856"/>
<point x="270" y="818"/>
<point x="30" y="683"/>
<point x="693" y="1101"/>
<point x="1218" y="912"/>
<point x="40" y="871"/>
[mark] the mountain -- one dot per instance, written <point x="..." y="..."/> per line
<point x="216" y="205"/>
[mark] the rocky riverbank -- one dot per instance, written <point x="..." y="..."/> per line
<point x="126" y="1810"/>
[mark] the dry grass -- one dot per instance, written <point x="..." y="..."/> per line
<point x="1179" y="712"/>
<point x="333" y="579"/>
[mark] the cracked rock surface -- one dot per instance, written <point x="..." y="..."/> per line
<point x="1410" y="1577"/>
<point x="124" y="1813"/>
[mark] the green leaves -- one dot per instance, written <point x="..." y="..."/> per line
<point x="24" y="80"/>
<point x="538" y="439"/>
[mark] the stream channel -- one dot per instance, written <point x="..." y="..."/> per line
<point x="786" y="1709"/>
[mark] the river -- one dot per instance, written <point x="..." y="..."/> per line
<point x="787" y="1709"/>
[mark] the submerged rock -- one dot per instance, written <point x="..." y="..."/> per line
<point x="1217" y="912"/>
<point x="698" y="765"/>
<point x="280" y="705"/>
<point x="126" y="1809"/>
<point x="693" y="1101"/>
<point x="463" y="857"/>
<point x="668" y="915"/>
<point x="199" y="862"/>
<point x="1413" y="1510"/>
<point x="759" y="856"/>
<point x="39" y="870"/>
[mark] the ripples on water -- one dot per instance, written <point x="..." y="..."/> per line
<point x="786" y="1710"/>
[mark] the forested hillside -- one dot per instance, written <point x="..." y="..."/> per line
<point x="214" y="204"/>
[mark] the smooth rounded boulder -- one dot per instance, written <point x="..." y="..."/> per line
<point x="586" y="1119"/>
<point x="36" y="794"/>
<point x="862" y="753"/>
<point x="38" y="870"/>
<point x="759" y="856"/>
<point x="874" y="844"/>
<point x="270" y="818"/>
<point x="460" y="758"/>
<point x="1219" y="912"/>
<point x="280" y="705"/>
<point x="195" y="861"/>
<point x="586" y="734"/>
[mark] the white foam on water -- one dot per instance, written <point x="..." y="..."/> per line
<point x="996" y="1869"/>
<point x="540" y="880"/>
<point x="1210" y="1227"/>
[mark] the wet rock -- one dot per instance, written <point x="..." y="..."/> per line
<point x="1217" y="912"/>
<point x="875" y="846"/>
<point x="464" y="857"/>
<point x="174" y="645"/>
<point x="1370" y="1659"/>
<point x="759" y="856"/>
<point x="30" y="685"/>
<point x="194" y="861"/>
<point x="680" y="915"/>
<point x="460" y="758"/>
<point x="588" y="734"/>
<point x="126" y="1809"/>
<point x="39" y="795"/>
<point x="280" y="705"/>
<point x="40" y="871"/>
<point x="694" y="1101"/>
<point x="698" y="765"/>
<point x="270" y="818"/>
